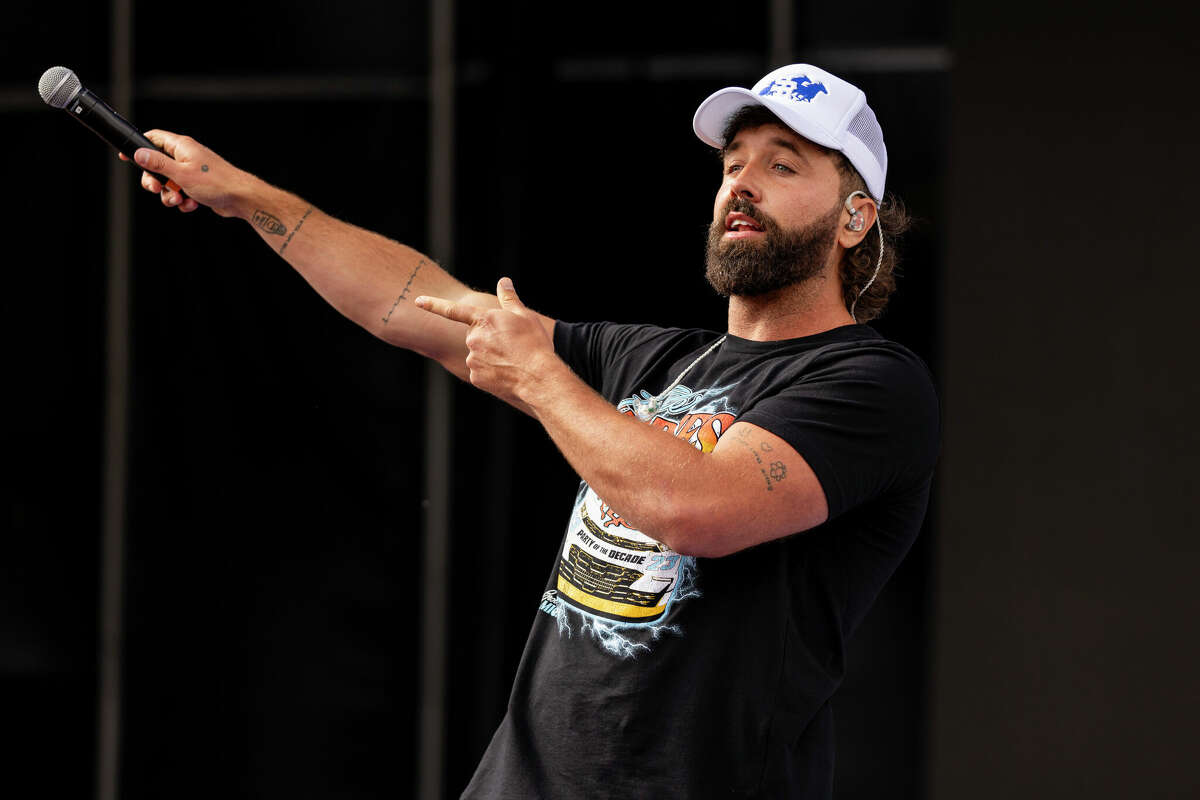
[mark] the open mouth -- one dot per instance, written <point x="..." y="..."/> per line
<point x="739" y="224"/>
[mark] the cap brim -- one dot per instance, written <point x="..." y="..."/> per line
<point x="712" y="115"/>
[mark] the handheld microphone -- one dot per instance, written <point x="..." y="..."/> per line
<point x="60" y="87"/>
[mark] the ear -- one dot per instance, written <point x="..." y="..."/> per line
<point x="869" y="210"/>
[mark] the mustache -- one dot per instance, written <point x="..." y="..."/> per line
<point x="744" y="206"/>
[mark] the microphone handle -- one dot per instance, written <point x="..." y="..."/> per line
<point x="110" y="126"/>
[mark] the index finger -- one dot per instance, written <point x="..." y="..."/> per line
<point x="458" y="312"/>
<point x="166" y="140"/>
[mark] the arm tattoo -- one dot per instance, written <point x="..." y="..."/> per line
<point x="269" y="223"/>
<point x="296" y="230"/>
<point x="771" y="475"/>
<point x="404" y="293"/>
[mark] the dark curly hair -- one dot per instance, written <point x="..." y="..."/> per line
<point x="858" y="264"/>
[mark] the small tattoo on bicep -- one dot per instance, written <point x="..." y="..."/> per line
<point x="299" y="225"/>
<point x="749" y="448"/>
<point x="204" y="167"/>
<point x="404" y="293"/>
<point x="269" y="223"/>
<point x="773" y="474"/>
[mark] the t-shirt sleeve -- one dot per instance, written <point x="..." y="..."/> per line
<point x="592" y="348"/>
<point x="867" y="423"/>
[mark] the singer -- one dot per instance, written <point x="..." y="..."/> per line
<point x="744" y="495"/>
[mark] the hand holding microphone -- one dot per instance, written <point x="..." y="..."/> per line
<point x="174" y="164"/>
<point x="207" y="178"/>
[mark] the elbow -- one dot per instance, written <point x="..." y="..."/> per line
<point x="698" y="532"/>
<point x="715" y="530"/>
<point x="699" y="549"/>
<point x="700" y="545"/>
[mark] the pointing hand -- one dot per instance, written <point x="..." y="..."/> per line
<point x="509" y="348"/>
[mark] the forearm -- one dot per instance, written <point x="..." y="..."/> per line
<point x="367" y="277"/>
<point x="657" y="482"/>
<point x="698" y="503"/>
<point x="633" y="467"/>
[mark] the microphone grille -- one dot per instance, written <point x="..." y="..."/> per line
<point x="58" y="85"/>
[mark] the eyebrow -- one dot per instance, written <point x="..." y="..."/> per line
<point x="778" y="141"/>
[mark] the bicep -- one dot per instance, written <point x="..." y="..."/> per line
<point x="766" y="490"/>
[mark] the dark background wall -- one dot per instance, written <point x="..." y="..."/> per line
<point x="1067" y="551"/>
<point x="1034" y="643"/>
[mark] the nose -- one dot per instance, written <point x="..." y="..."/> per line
<point x="742" y="185"/>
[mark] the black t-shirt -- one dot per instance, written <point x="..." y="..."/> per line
<point x="650" y="674"/>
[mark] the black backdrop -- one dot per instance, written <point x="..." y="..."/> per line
<point x="272" y="588"/>
<point x="1039" y="642"/>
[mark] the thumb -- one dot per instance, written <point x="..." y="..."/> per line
<point x="508" y="295"/>
<point x="154" y="161"/>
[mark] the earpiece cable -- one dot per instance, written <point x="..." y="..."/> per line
<point x="878" y="264"/>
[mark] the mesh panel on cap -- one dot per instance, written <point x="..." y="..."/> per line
<point x="865" y="128"/>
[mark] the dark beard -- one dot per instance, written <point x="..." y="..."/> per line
<point x="782" y="258"/>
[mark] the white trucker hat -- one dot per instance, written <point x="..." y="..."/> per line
<point x="819" y="106"/>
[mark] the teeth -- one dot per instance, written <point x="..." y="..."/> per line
<point x="741" y="223"/>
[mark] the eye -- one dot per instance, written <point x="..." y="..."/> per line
<point x="730" y="169"/>
<point x="782" y="168"/>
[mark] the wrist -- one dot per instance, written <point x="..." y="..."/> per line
<point x="547" y="376"/>
<point x="247" y="194"/>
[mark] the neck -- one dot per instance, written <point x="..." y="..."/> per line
<point x="802" y="309"/>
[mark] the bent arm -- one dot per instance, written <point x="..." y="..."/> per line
<point x="368" y="278"/>
<point x="752" y="488"/>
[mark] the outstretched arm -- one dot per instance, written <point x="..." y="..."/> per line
<point x="369" y="278"/>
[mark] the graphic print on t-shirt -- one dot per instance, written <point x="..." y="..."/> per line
<point x="613" y="570"/>
<point x="620" y="582"/>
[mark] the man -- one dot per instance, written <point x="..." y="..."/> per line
<point x="740" y="514"/>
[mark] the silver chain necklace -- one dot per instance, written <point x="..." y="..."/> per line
<point x="645" y="410"/>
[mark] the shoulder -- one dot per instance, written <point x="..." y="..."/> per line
<point x="853" y="404"/>
<point x="608" y="355"/>
<point x="855" y="353"/>
<point x="620" y="335"/>
<point x="863" y="356"/>
<point x="602" y="344"/>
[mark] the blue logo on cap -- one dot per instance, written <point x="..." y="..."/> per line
<point x="799" y="88"/>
